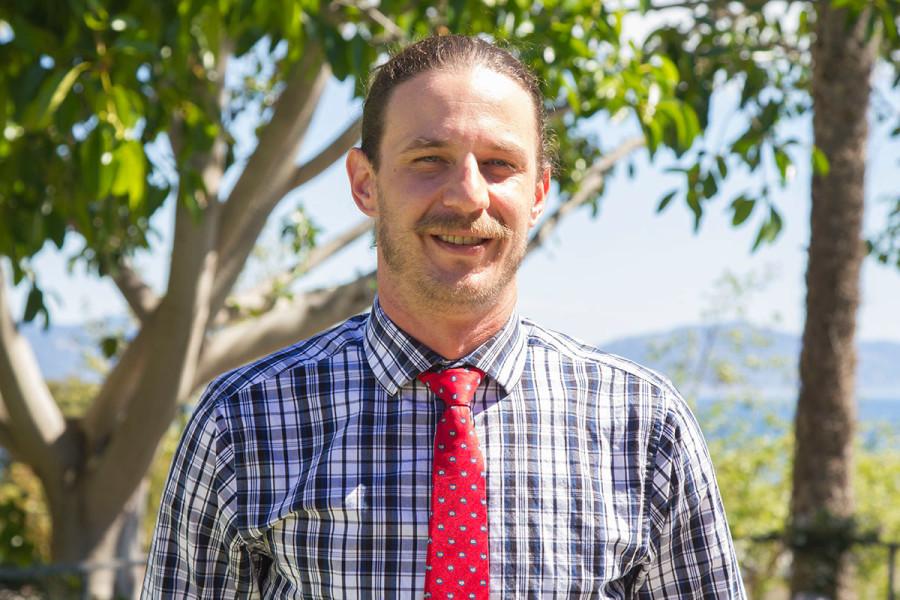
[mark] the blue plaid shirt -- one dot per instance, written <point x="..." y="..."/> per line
<point x="307" y="475"/>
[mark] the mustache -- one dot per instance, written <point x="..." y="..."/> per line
<point x="484" y="226"/>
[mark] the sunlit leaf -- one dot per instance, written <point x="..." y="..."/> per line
<point x="52" y="93"/>
<point x="129" y="173"/>
<point x="820" y="163"/>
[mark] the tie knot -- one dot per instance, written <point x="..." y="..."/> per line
<point x="456" y="387"/>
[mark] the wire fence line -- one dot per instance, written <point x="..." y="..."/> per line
<point x="58" y="581"/>
<point x="891" y="547"/>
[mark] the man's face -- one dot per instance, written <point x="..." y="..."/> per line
<point x="457" y="189"/>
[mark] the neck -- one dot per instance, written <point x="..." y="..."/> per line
<point x="452" y="331"/>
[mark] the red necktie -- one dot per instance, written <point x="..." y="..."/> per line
<point x="457" y="567"/>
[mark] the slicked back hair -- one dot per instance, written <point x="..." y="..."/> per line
<point x="438" y="53"/>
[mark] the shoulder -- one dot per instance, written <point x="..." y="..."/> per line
<point x="633" y="390"/>
<point x="304" y="353"/>
<point x="646" y="401"/>
<point x="571" y="349"/>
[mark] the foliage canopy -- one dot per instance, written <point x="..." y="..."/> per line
<point x="104" y="106"/>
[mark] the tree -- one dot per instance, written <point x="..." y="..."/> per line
<point x="111" y="109"/>
<point x="825" y="65"/>
<point x="822" y="500"/>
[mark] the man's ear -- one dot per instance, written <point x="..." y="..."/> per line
<point x="541" y="189"/>
<point x="361" y="174"/>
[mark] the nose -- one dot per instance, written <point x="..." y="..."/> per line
<point x="467" y="191"/>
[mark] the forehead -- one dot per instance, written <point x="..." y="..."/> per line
<point x="461" y="105"/>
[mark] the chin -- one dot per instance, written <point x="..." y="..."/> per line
<point x="465" y="292"/>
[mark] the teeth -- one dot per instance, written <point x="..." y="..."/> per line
<point x="460" y="240"/>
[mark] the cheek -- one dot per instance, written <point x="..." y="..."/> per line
<point x="514" y="203"/>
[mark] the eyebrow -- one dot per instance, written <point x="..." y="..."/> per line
<point x="421" y="143"/>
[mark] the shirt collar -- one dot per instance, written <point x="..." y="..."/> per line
<point x="396" y="358"/>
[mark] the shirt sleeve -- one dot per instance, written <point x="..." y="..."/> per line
<point x="196" y="551"/>
<point x="692" y="554"/>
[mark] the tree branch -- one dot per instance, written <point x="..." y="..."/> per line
<point x="305" y="316"/>
<point x="590" y="185"/>
<point x="688" y="4"/>
<point x="190" y="260"/>
<point x="264" y="296"/>
<point x="327" y="157"/>
<point x="264" y="180"/>
<point x="36" y="421"/>
<point x="138" y="294"/>
<point x="166" y="351"/>
<point x="392" y="32"/>
<point x="320" y="254"/>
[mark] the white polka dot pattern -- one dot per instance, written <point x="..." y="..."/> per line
<point x="457" y="565"/>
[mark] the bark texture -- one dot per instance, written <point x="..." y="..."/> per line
<point x="822" y="503"/>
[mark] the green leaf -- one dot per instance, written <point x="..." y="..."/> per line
<point x="665" y="201"/>
<point x="654" y="135"/>
<point x="109" y="346"/>
<point x="754" y="82"/>
<point x="769" y="230"/>
<point x="129" y="173"/>
<point x="890" y="27"/>
<point x="96" y="22"/>
<point x="710" y="187"/>
<point x="693" y="202"/>
<point x="803" y="26"/>
<point x="691" y="122"/>
<point x="56" y="229"/>
<point x="673" y="112"/>
<point x="89" y="152"/>
<point x="669" y="70"/>
<point x="722" y="166"/>
<point x="742" y="207"/>
<point x="34" y="304"/>
<point x="820" y="162"/>
<point x="128" y="105"/>
<point x="783" y="161"/>
<point x="50" y="96"/>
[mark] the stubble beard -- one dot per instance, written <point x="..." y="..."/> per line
<point x="426" y="287"/>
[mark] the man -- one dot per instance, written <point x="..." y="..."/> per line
<point x="347" y="467"/>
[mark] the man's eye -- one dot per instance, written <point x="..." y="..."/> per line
<point x="499" y="162"/>
<point x="429" y="159"/>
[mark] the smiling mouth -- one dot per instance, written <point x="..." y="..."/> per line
<point x="461" y="240"/>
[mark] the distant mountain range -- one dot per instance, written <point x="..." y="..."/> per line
<point x="764" y="358"/>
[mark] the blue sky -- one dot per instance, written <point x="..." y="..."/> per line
<point x="628" y="271"/>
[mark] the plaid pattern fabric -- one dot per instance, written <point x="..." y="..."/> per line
<point x="307" y="475"/>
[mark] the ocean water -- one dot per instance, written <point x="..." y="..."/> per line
<point x="878" y="418"/>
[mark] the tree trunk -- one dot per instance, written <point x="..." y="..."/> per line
<point x="130" y="545"/>
<point x="822" y="503"/>
<point x="108" y="553"/>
